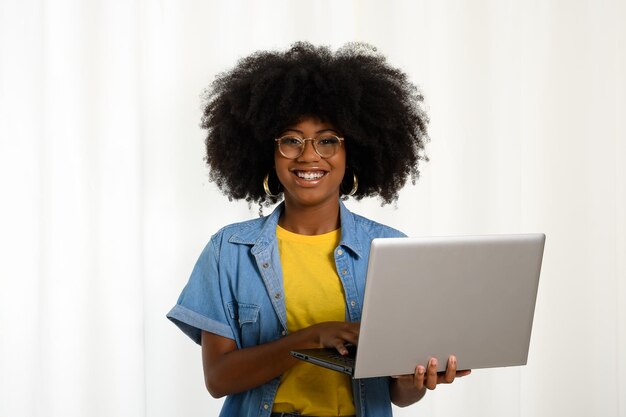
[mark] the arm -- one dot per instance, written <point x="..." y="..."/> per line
<point x="409" y="389"/>
<point x="228" y="370"/>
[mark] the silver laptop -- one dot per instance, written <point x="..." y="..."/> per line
<point x="471" y="296"/>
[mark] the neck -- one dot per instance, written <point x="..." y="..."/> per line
<point x="310" y="220"/>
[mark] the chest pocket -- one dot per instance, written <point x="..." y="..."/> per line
<point x="247" y="316"/>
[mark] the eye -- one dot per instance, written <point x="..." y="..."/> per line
<point x="328" y="141"/>
<point x="291" y="141"/>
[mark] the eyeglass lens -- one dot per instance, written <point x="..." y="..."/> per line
<point x="292" y="146"/>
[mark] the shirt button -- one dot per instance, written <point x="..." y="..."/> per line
<point x="339" y="252"/>
<point x="266" y="265"/>
<point x="344" y="271"/>
<point x="266" y="406"/>
<point x="284" y="333"/>
<point x="352" y="303"/>
<point x="277" y="296"/>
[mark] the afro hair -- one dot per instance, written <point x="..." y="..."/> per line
<point x="376" y="108"/>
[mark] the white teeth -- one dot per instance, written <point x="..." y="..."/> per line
<point x="310" y="175"/>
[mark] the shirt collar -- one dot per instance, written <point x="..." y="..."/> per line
<point x="349" y="236"/>
<point x="260" y="235"/>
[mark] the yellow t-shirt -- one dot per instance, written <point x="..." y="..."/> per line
<point x="313" y="294"/>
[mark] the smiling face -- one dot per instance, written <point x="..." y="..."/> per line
<point x="310" y="180"/>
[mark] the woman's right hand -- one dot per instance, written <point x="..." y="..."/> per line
<point x="229" y="370"/>
<point x="336" y="334"/>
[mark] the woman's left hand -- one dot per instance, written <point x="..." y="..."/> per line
<point x="407" y="389"/>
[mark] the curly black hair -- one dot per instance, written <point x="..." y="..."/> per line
<point x="375" y="107"/>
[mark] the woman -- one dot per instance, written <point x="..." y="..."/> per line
<point x="308" y="126"/>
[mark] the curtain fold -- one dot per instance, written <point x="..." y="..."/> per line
<point x="106" y="202"/>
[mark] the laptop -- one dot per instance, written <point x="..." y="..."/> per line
<point x="471" y="296"/>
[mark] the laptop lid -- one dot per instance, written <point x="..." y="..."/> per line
<point x="471" y="296"/>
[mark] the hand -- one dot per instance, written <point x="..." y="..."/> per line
<point x="429" y="378"/>
<point x="408" y="389"/>
<point x="336" y="334"/>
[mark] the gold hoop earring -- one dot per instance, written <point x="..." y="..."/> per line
<point x="266" y="186"/>
<point x="355" y="185"/>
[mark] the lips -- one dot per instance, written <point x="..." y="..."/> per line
<point x="309" y="175"/>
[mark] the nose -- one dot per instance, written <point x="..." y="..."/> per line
<point x="309" y="153"/>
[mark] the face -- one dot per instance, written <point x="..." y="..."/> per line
<point x="310" y="180"/>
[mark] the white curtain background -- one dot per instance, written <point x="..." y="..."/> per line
<point x="106" y="203"/>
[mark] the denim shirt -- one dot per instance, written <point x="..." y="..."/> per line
<point x="236" y="291"/>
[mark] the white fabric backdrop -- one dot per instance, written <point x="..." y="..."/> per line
<point x="106" y="203"/>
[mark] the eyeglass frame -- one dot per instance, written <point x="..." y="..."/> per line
<point x="304" y="140"/>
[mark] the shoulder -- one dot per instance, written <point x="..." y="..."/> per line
<point x="240" y="232"/>
<point x="375" y="228"/>
<point x="243" y="226"/>
<point x="372" y="229"/>
<point x="224" y="245"/>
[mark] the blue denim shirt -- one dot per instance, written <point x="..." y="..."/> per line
<point x="236" y="291"/>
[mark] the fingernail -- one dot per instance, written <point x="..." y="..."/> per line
<point x="420" y="370"/>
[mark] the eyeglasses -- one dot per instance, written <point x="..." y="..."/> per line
<point x="291" y="147"/>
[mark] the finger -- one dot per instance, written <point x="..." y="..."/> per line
<point x="466" y="372"/>
<point x="347" y="333"/>
<point x="450" y="374"/>
<point x="350" y="337"/>
<point x="418" y="377"/>
<point x="431" y="374"/>
<point x="353" y="330"/>
<point x="341" y="348"/>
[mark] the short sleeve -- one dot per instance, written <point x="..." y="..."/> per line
<point x="200" y="306"/>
